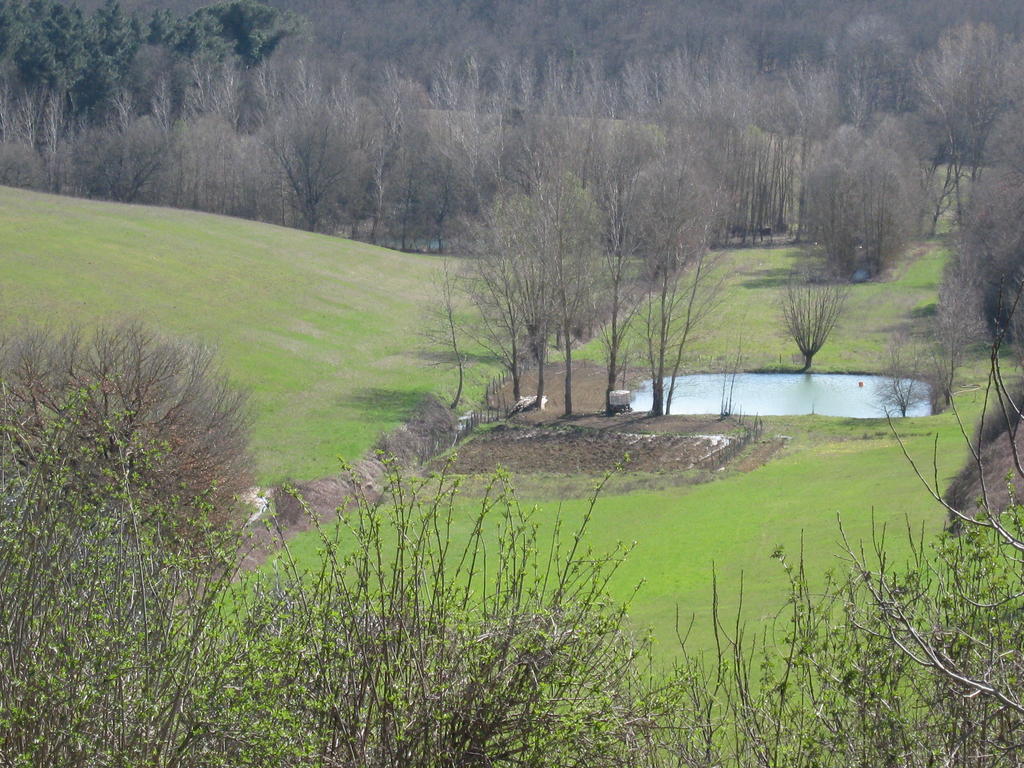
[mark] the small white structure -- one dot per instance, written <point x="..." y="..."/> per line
<point x="619" y="401"/>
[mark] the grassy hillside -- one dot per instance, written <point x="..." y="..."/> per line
<point x="747" y="314"/>
<point x="731" y="527"/>
<point x="831" y="469"/>
<point x="846" y="470"/>
<point x="322" y="330"/>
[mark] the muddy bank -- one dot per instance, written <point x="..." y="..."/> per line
<point x="430" y="431"/>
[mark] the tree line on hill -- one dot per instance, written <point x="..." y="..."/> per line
<point x="856" y="147"/>
<point x="419" y="33"/>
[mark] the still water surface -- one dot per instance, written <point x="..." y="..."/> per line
<point x="781" y="394"/>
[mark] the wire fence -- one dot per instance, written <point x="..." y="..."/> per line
<point x="497" y="406"/>
<point x="751" y="431"/>
<point x="495" y="395"/>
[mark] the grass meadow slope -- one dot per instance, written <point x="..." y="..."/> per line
<point x="323" y="331"/>
<point x="832" y="469"/>
<point x="746" y="318"/>
<point x="851" y="472"/>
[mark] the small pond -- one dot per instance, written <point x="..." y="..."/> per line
<point x="785" y="394"/>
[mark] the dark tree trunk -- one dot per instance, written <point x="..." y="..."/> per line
<point x="458" y="391"/>
<point x="541" y="355"/>
<point x="517" y="391"/>
<point x="613" y="370"/>
<point x="568" y="371"/>
<point x="540" y="383"/>
<point x="658" y="396"/>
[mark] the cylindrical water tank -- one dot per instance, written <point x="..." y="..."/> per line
<point x="619" y="397"/>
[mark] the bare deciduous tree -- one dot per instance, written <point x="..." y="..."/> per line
<point x="308" y="154"/>
<point x="958" y="324"/>
<point x="494" y="286"/>
<point x="862" y="204"/>
<point x="810" y="312"/>
<point x="680" y="283"/>
<point x="311" y="142"/>
<point x="444" y="330"/>
<point x="902" y="389"/>
<point x="623" y="157"/>
<point x="120" y="163"/>
<point x="964" y="88"/>
<point x="567" y="226"/>
<point x="165" y="413"/>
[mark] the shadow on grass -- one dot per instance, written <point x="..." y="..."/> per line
<point x="445" y="357"/>
<point x="927" y="310"/>
<point x="768" y="278"/>
<point x="379" y="404"/>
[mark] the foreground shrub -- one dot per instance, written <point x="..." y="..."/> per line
<point x="413" y="643"/>
<point x="111" y="641"/>
<point x="434" y="633"/>
<point x="125" y="403"/>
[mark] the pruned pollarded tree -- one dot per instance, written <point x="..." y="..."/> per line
<point x="810" y="312"/>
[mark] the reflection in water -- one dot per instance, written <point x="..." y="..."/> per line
<point x="784" y="394"/>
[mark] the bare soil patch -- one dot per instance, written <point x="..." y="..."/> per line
<point x="589" y="442"/>
<point x="566" y="449"/>
<point x="758" y="454"/>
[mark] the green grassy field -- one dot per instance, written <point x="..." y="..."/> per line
<point x="852" y="471"/>
<point x="731" y="527"/>
<point x="832" y="469"/>
<point x="323" y="331"/>
<point x="747" y="314"/>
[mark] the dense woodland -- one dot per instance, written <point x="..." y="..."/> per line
<point x="873" y="128"/>
<point x="419" y="33"/>
<point x="862" y="134"/>
<point x="587" y="157"/>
